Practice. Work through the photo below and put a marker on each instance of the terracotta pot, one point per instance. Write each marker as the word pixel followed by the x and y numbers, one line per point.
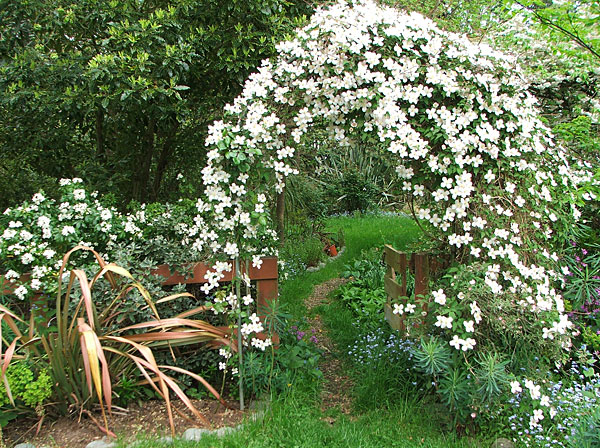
pixel 332 251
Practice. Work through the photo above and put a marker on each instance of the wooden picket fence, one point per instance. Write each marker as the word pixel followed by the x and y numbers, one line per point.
pixel 399 264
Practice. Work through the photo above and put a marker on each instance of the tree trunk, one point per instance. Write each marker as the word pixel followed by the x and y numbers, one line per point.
pixel 163 160
pixel 100 147
pixel 144 162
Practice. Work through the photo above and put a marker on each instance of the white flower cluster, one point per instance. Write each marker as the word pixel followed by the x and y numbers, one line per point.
pixel 35 235
pixel 462 344
pixel 400 308
pixel 261 344
pixel 254 326
pixel 535 394
pixel 27 250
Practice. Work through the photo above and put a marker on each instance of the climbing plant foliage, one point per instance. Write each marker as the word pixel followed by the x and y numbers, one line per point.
pixel 481 168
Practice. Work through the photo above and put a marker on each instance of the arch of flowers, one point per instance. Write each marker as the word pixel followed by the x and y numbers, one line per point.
pixel 456 117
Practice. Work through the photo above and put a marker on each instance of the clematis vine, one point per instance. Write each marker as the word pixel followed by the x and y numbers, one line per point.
pixel 481 168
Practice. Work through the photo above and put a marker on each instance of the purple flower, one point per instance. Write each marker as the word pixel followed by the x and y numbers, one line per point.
pixel 313 339
pixel 300 335
pixel 584 252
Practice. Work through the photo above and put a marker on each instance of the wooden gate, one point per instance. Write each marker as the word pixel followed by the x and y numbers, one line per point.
pixel 399 264
pixel 266 279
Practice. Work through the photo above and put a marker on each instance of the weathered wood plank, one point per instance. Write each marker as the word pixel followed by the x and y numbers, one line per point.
pixel 394 320
pixel 393 289
pixel 421 274
pixel 268 271
pixel 395 259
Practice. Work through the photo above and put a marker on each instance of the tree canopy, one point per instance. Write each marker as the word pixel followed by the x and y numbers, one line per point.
pixel 119 92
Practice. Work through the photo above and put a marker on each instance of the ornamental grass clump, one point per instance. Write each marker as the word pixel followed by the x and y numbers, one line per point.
pixel 88 351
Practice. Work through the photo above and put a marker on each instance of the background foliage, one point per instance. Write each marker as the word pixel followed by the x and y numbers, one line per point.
pixel 120 92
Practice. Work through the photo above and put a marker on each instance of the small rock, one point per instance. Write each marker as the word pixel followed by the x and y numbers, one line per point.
pixel 226 430
pixel 223 431
pixel 25 445
pixel 195 433
pixel 502 443
pixel 102 443
pixel 166 439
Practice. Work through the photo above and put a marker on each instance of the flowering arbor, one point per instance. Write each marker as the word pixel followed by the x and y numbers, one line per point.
pixel 482 170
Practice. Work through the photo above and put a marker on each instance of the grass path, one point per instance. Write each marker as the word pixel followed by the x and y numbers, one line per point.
pixel 336 383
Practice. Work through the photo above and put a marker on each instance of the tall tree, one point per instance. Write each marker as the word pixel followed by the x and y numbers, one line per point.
pixel 119 92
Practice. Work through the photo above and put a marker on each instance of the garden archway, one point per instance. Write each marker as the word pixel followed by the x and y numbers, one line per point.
pixel 467 137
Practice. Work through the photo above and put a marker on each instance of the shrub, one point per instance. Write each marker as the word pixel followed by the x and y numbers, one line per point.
pixel 37 233
pixel 351 191
pixel 295 360
pixel 299 252
pixel 366 271
pixel 364 293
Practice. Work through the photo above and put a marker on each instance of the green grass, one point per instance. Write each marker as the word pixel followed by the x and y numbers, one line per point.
pixel 361 233
pixel 295 421
pixel 387 411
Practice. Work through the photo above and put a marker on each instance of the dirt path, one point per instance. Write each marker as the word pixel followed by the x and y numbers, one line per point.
pixel 336 383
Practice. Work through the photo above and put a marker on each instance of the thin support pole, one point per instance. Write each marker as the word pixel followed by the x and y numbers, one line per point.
pixel 238 279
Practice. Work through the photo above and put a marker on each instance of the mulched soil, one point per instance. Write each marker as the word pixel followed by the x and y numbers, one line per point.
pixel 336 383
pixel 149 417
